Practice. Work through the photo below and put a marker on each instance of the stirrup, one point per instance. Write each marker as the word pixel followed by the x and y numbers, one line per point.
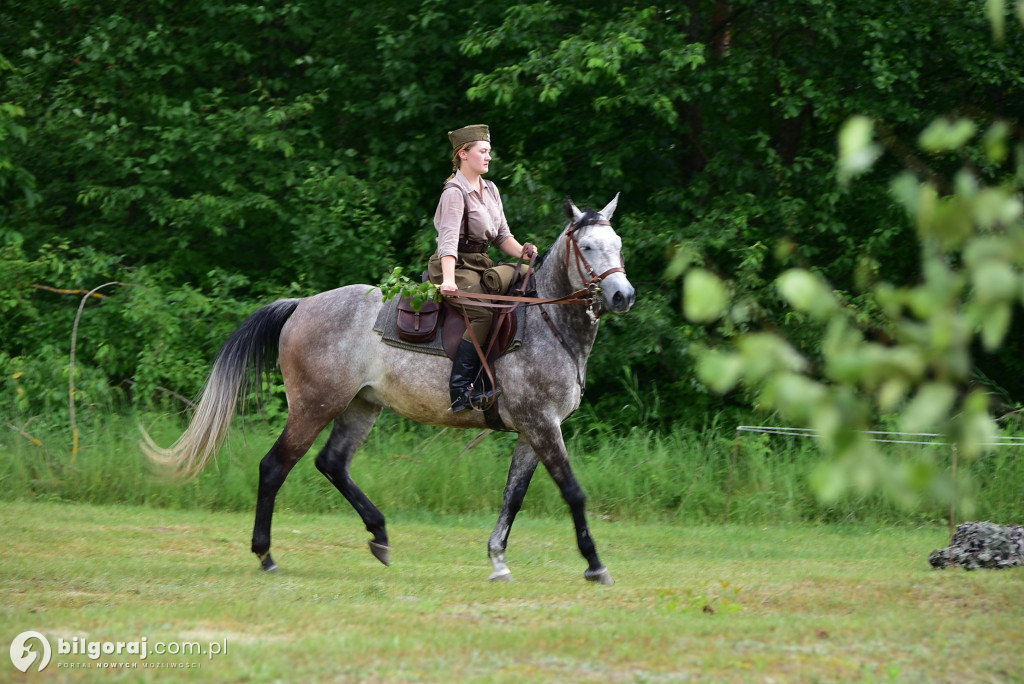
pixel 482 401
pixel 477 401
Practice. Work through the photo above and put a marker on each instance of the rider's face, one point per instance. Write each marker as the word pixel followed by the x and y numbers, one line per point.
pixel 477 159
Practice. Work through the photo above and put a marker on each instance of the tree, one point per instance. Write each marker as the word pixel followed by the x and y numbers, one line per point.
pixel 228 153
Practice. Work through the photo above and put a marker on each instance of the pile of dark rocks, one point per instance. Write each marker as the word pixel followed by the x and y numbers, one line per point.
pixel 982 545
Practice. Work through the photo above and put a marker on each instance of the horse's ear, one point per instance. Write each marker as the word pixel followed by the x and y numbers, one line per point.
pixel 610 209
pixel 571 210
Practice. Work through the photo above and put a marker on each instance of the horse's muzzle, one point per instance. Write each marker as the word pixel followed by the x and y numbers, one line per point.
pixel 619 294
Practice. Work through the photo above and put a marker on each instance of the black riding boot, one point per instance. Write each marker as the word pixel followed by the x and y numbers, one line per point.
pixel 464 370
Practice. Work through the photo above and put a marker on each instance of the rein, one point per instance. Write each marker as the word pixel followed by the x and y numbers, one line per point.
pixel 584 297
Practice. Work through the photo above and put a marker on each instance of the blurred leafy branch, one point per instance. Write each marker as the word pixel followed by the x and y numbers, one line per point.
pixel 913 369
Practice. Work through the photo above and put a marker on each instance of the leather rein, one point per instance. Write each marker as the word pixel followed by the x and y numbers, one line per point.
pixel 584 297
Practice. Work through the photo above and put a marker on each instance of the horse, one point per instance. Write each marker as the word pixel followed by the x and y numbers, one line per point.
pixel 336 369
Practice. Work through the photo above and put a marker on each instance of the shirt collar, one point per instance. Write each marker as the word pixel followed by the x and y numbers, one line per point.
pixel 464 183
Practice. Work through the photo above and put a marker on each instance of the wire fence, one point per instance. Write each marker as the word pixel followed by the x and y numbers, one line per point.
pixel 882 436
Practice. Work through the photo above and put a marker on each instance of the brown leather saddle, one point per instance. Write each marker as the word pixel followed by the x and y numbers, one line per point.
pixel 422 326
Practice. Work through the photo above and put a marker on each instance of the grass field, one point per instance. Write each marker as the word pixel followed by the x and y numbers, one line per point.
pixel 743 603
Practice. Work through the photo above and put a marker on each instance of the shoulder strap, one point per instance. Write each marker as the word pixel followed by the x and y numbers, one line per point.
pixel 464 230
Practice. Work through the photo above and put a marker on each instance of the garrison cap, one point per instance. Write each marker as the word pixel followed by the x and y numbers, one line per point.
pixel 469 134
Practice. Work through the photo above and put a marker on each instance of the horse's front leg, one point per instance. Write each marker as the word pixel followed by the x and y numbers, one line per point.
pixel 524 463
pixel 550 448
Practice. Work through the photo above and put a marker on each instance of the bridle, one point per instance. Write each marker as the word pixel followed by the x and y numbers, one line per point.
pixel 586 296
pixel 590 278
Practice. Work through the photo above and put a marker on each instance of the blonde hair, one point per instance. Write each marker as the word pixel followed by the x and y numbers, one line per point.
pixel 456 162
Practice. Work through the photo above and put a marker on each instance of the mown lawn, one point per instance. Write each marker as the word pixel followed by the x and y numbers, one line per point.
pixel 700 604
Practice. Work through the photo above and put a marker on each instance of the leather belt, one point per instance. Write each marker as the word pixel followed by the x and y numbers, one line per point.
pixel 472 246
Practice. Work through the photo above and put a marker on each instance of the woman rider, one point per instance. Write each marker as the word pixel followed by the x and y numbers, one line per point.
pixel 469 219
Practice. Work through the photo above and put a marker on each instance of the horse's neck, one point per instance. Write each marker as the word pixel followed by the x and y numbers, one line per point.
pixel 571 320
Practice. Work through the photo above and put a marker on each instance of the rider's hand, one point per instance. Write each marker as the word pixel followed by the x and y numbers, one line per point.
pixel 529 251
pixel 449 286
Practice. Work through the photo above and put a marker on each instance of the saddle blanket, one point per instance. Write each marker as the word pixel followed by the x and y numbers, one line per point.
pixel 387 326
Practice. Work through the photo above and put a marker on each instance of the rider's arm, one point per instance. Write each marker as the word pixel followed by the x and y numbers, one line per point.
pixel 512 247
pixel 448 274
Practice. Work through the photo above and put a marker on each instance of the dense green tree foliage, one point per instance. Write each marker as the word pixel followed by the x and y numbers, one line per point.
pixel 212 156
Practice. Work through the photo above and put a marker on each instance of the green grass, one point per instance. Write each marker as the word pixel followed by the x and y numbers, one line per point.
pixel 793 603
pixel 404 468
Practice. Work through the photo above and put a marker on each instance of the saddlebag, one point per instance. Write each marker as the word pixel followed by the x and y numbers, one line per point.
pixel 417 326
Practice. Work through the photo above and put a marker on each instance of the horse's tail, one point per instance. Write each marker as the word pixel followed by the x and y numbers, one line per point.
pixel 250 351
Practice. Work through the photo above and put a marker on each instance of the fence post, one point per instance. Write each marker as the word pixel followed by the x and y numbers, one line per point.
pixel 732 467
pixel 952 499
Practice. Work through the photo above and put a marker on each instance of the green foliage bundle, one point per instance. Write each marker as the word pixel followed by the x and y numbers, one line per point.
pixel 397 284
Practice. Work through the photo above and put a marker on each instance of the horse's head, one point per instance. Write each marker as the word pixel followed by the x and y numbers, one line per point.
pixel 593 257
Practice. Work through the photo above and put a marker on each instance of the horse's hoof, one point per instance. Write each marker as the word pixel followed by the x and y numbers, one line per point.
pixel 381 552
pixel 601 576
pixel 267 563
pixel 502 576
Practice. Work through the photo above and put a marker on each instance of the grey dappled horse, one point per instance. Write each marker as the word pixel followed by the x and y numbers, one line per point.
pixel 336 368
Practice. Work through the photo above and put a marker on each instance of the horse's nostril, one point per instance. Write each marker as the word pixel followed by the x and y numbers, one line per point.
pixel 617 300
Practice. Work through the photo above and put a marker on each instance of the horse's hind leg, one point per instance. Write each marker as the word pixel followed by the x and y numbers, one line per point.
pixel 524 463
pixel 350 431
pixel 292 445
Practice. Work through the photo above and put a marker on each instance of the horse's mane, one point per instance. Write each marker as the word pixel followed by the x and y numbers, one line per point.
pixel 589 216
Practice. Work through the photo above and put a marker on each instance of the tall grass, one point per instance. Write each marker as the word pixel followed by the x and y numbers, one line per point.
pixel 684 476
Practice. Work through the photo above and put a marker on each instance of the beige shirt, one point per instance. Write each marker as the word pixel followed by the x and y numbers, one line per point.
pixel 486 216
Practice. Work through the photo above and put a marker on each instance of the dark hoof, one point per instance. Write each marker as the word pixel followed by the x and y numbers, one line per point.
pixel 381 552
pixel 601 576
pixel 267 563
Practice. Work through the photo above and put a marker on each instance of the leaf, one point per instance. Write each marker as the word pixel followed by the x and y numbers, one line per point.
pixel 996 137
pixel 765 354
pixel 857 152
pixel 705 298
pixel 994 326
pixel 929 408
pixel 977 430
pixel 683 256
pixel 720 371
pixel 944 135
pixel 996 10
pixel 994 282
pixel 828 482
pixel 794 395
pixel 891 393
pixel 808 293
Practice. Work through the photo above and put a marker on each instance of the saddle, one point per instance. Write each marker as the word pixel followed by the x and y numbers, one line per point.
pixel 421 327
